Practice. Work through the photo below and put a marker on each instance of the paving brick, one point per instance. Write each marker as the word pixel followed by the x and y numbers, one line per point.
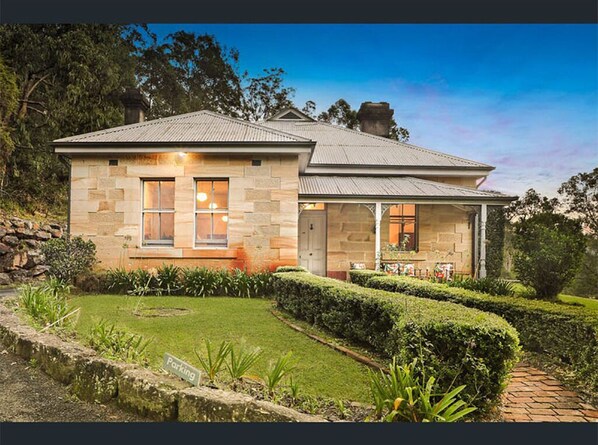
pixel 545 399
pixel 568 412
pixel 543 418
pixel 541 411
pixel 534 396
pixel 538 405
pixel 572 419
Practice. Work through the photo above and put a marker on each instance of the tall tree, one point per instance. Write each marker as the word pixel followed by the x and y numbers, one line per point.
pixel 549 246
pixel 8 106
pixel 341 113
pixel 580 197
pixel 265 95
pixel 69 78
pixel 189 72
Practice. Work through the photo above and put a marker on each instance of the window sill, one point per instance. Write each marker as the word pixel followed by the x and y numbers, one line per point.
pixel 183 253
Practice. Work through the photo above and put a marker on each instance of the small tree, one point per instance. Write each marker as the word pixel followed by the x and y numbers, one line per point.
pixel 549 251
pixel 69 258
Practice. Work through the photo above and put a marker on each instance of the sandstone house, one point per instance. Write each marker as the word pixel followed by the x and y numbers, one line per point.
pixel 209 190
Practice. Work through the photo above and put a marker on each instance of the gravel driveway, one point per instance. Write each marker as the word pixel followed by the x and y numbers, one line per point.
pixel 29 395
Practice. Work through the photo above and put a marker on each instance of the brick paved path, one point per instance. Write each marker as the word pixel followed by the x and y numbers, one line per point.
pixel 534 396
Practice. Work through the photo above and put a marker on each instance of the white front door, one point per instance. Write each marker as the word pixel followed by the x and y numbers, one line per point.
pixel 312 241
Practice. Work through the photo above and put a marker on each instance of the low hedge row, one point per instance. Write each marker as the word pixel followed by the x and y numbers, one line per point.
pixel 457 344
pixel 567 333
pixel 361 277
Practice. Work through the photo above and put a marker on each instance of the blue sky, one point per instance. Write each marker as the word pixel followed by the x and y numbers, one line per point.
pixel 523 98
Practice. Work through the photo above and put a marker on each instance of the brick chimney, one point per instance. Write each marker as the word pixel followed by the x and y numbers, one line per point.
pixel 374 118
pixel 136 106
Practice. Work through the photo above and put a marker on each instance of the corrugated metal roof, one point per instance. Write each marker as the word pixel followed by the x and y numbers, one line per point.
pixel 340 146
pixel 201 126
pixel 378 186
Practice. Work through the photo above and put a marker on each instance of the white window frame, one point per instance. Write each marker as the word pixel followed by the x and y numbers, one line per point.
pixel 160 242
pixel 210 244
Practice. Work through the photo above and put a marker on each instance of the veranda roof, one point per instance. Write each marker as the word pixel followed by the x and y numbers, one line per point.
pixel 367 188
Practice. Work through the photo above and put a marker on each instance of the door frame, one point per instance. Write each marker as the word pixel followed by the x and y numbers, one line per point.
pixel 325 214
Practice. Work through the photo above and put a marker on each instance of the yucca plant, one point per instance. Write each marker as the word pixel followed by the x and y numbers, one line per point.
pixel 212 363
pixel 168 279
pixel 293 389
pixel 241 284
pixel 241 361
pixel 46 304
pixel 119 280
pixel 201 282
pixel 262 284
pixel 404 395
pixel 277 372
pixel 109 341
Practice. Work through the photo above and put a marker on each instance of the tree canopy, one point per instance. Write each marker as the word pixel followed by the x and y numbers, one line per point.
pixel 61 80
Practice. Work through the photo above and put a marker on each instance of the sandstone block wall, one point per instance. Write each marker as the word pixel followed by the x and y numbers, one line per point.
pixel 263 209
pixel 445 235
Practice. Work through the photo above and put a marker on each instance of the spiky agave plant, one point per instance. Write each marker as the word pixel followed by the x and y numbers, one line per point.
pixel 213 361
pixel 404 395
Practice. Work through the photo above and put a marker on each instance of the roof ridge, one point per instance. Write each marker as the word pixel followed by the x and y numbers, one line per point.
pixel 132 126
pixel 176 117
pixel 394 141
pixel 256 125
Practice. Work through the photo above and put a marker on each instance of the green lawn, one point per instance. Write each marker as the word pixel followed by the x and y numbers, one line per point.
pixel 320 370
pixel 587 302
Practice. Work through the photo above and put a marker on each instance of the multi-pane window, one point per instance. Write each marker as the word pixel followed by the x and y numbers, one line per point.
pixel 211 213
pixel 158 212
pixel 403 226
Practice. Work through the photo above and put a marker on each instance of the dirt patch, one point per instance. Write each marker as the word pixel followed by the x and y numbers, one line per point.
pixel 151 312
pixel 29 395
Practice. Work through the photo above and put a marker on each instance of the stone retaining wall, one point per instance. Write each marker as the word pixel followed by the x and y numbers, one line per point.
pixel 157 396
pixel 20 242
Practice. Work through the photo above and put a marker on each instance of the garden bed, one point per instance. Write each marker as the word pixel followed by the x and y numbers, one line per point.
pixel 319 371
pixel 566 333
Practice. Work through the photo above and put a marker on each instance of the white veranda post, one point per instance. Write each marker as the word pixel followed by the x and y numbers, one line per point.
pixel 483 218
pixel 378 218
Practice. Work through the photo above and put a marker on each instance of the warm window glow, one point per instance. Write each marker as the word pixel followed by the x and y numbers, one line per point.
pixel 158 212
pixel 315 206
pixel 403 226
pixel 211 213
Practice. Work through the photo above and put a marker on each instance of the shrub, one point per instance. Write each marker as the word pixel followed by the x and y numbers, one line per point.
pixel 46 304
pixel 404 395
pixel 117 344
pixel 360 277
pixel 213 361
pixel 567 333
pixel 549 249
pixel 492 286
pixel 167 279
pixel 281 269
pixel 278 371
pixel 457 344
pixel 68 258
pixel 241 361
pixel 196 282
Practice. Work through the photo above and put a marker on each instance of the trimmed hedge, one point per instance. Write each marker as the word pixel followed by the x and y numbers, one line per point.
pixel 360 277
pixel 280 269
pixel 460 346
pixel 567 333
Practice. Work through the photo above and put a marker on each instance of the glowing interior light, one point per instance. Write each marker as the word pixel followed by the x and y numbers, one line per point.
pixel 201 196
pixel 225 218
pixel 213 205
pixel 310 206
pixel 182 154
